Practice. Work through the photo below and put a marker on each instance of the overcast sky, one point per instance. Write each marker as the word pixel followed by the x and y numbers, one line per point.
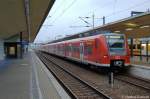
pixel 63 19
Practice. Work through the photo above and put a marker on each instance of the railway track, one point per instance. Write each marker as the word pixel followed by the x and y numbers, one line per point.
pixel 78 88
pixel 139 82
pixel 95 80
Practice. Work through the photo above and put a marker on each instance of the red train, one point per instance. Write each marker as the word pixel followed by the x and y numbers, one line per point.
pixel 99 50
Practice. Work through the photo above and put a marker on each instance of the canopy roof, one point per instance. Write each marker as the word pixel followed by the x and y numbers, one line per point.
pixel 136 26
pixel 24 16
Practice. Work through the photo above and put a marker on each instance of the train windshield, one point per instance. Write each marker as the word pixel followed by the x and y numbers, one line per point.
pixel 116 44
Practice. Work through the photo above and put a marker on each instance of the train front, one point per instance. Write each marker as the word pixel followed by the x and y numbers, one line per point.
pixel 118 50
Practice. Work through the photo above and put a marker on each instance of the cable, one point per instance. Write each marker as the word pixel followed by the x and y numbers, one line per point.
pixel 121 11
pixel 60 5
pixel 105 5
pixel 139 4
pixel 68 7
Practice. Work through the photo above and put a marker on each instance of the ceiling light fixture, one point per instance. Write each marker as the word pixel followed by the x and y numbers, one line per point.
pixel 131 24
pixel 145 26
pixel 117 31
pixel 129 29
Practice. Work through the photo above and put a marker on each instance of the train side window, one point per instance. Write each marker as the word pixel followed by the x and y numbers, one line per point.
pixel 75 49
pixel 62 48
pixel 88 49
pixel 70 48
pixel 67 48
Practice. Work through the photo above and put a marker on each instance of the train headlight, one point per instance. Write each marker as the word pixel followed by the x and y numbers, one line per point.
pixel 105 56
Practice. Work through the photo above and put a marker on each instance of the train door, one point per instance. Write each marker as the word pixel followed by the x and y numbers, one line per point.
pixel 70 50
pixel 81 51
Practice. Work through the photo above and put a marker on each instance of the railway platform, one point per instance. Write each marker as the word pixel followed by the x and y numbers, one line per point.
pixel 28 78
pixel 141 61
pixel 140 67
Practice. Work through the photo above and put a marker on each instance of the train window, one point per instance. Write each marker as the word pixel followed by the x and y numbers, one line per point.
pixel 78 49
pixel 70 47
pixel 62 48
pixel 116 44
pixel 75 49
pixel 88 49
pixel 67 48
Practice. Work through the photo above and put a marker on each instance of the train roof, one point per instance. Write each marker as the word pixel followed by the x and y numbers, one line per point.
pixel 112 34
pixel 84 38
pixel 81 35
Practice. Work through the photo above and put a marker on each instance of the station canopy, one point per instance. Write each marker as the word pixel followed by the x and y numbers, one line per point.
pixel 26 16
pixel 137 26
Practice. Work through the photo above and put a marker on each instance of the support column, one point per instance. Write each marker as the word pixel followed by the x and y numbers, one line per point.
pixel 147 51
pixel 103 20
pixel 131 50
pixel 21 53
pixel 140 50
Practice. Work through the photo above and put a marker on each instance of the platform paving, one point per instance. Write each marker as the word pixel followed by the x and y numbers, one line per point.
pixel 28 78
pixel 49 87
pixel 15 79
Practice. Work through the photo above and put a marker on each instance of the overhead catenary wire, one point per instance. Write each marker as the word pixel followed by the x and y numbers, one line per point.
pixel 85 21
pixel 115 12
pixel 103 6
pixel 139 4
pixel 54 13
pixel 57 8
pixel 61 14
pixel 127 9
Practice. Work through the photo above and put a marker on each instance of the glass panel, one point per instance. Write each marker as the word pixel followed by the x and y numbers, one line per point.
pixel 116 44
pixel 88 49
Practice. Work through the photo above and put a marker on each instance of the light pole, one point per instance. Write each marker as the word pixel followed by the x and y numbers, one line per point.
pixel 93 20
